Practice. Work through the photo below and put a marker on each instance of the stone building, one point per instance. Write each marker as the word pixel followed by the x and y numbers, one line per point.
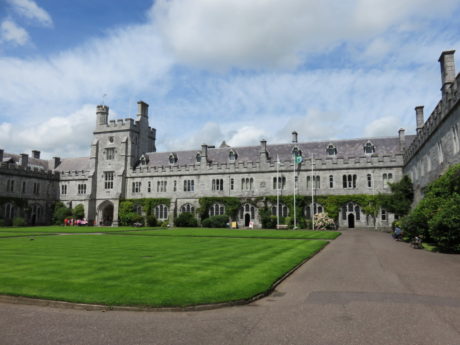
pixel 124 164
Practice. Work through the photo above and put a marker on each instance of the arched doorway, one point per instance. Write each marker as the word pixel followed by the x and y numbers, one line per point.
pixel 106 214
pixel 351 220
pixel 247 219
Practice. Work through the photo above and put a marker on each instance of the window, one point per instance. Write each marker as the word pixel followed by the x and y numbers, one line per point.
pixel 187 208
pixel 149 186
pixel 161 212
pixel 384 214
pixel 63 189
pixel 9 211
pixel 317 208
pixel 81 189
pixel 358 212
pixel 217 184
pixel 331 150
pixel 284 211
pixel 344 212
pixel 369 180
pixel 175 186
pixel 138 209
pixel 198 157
pixel 331 181
pixel 388 178
pixel 108 184
pixel 189 185
pixel 232 184
pixel 24 186
pixel 136 187
pixel 232 156
pixel 281 182
pixel 247 209
pixel 216 210
pixel 369 148
pixel 161 186
pixel 110 153
pixel 349 181
pixel 10 186
pixel 36 188
pixel 172 158
pixel 455 138
pixel 247 183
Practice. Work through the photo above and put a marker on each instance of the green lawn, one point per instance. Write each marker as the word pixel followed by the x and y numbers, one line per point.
pixel 198 232
pixel 67 229
pixel 146 270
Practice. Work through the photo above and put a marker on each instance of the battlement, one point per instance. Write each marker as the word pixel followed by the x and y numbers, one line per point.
pixel 73 174
pixel 18 170
pixel 363 162
pixel 449 100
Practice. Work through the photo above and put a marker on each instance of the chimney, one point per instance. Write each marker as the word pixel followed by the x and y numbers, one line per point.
pixel 294 137
pixel 36 154
pixel 1 156
pixel 419 118
pixel 204 153
pixel 24 160
pixel 142 109
pixel 102 115
pixel 402 139
pixel 55 162
pixel 263 150
pixel 447 62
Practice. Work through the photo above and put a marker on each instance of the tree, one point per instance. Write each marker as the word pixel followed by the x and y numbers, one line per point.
pixel 60 213
pixel 400 200
pixel 79 211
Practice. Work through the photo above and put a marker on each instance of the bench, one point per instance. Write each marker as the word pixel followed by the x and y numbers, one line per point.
pixel 281 226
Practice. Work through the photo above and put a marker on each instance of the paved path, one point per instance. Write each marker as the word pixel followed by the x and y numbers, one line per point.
pixel 364 288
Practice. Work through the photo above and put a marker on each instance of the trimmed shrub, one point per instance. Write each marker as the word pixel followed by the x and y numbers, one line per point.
pixel 130 218
pixel 19 221
pixel 444 226
pixel 151 220
pixel 215 222
pixel 186 219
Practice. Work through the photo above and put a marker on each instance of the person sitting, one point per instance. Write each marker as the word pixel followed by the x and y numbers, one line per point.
pixel 397 234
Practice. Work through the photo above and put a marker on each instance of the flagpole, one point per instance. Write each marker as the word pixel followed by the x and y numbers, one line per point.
pixel 277 192
pixel 312 196
pixel 295 157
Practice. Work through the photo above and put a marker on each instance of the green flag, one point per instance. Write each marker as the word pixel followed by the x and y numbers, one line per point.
pixel 298 159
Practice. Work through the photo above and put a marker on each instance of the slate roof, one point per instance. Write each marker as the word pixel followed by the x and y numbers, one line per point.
pixel 41 164
pixel 73 164
pixel 345 149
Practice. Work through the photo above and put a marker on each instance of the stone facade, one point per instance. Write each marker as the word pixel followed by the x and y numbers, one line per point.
pixel 124 164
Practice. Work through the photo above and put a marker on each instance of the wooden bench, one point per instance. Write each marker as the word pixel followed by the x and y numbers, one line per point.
pixel 281 226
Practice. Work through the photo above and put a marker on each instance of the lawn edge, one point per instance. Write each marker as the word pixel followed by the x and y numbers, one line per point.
pixel 11 299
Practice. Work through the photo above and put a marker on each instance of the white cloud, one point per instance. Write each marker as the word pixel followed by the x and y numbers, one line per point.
pixel 30 10
pixel 12 33
pixel 70 135
pixel 246 136
pixel 209 134
pixel 384 126
pixel 255 34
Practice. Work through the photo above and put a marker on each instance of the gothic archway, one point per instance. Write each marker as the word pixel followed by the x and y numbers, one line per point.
pixel 106 214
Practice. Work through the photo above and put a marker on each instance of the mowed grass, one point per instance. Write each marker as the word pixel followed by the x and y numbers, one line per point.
pixel 66 229
pixel 146 270
pixel 200 232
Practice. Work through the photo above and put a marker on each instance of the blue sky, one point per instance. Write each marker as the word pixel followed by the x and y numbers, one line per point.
pixel 233 70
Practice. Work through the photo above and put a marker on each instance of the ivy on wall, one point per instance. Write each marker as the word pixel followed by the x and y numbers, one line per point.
pixel 127 209
pixel 18 202
pixel 232 205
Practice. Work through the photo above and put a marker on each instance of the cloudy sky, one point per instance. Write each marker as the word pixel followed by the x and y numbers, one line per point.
pixel 214 70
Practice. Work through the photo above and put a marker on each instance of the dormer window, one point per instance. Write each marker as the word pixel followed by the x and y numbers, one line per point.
pixel 144 160
pixel 198 157
pixel 232 156
pixel 369 148
pixel 172 158
pixel 331 150
pixel 296 151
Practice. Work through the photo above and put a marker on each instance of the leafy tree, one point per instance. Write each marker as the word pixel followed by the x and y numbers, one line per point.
pixel 400 200
pixel 60 213
pixel 445 224
pixel 79 211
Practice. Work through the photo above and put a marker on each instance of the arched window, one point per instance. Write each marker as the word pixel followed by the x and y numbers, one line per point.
pixel 344 212
pixel 198 157
pixel 350 207
pixel 138 209
pixel 284 211
pixel 187 208
pixel 161 212
pixel 216 210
